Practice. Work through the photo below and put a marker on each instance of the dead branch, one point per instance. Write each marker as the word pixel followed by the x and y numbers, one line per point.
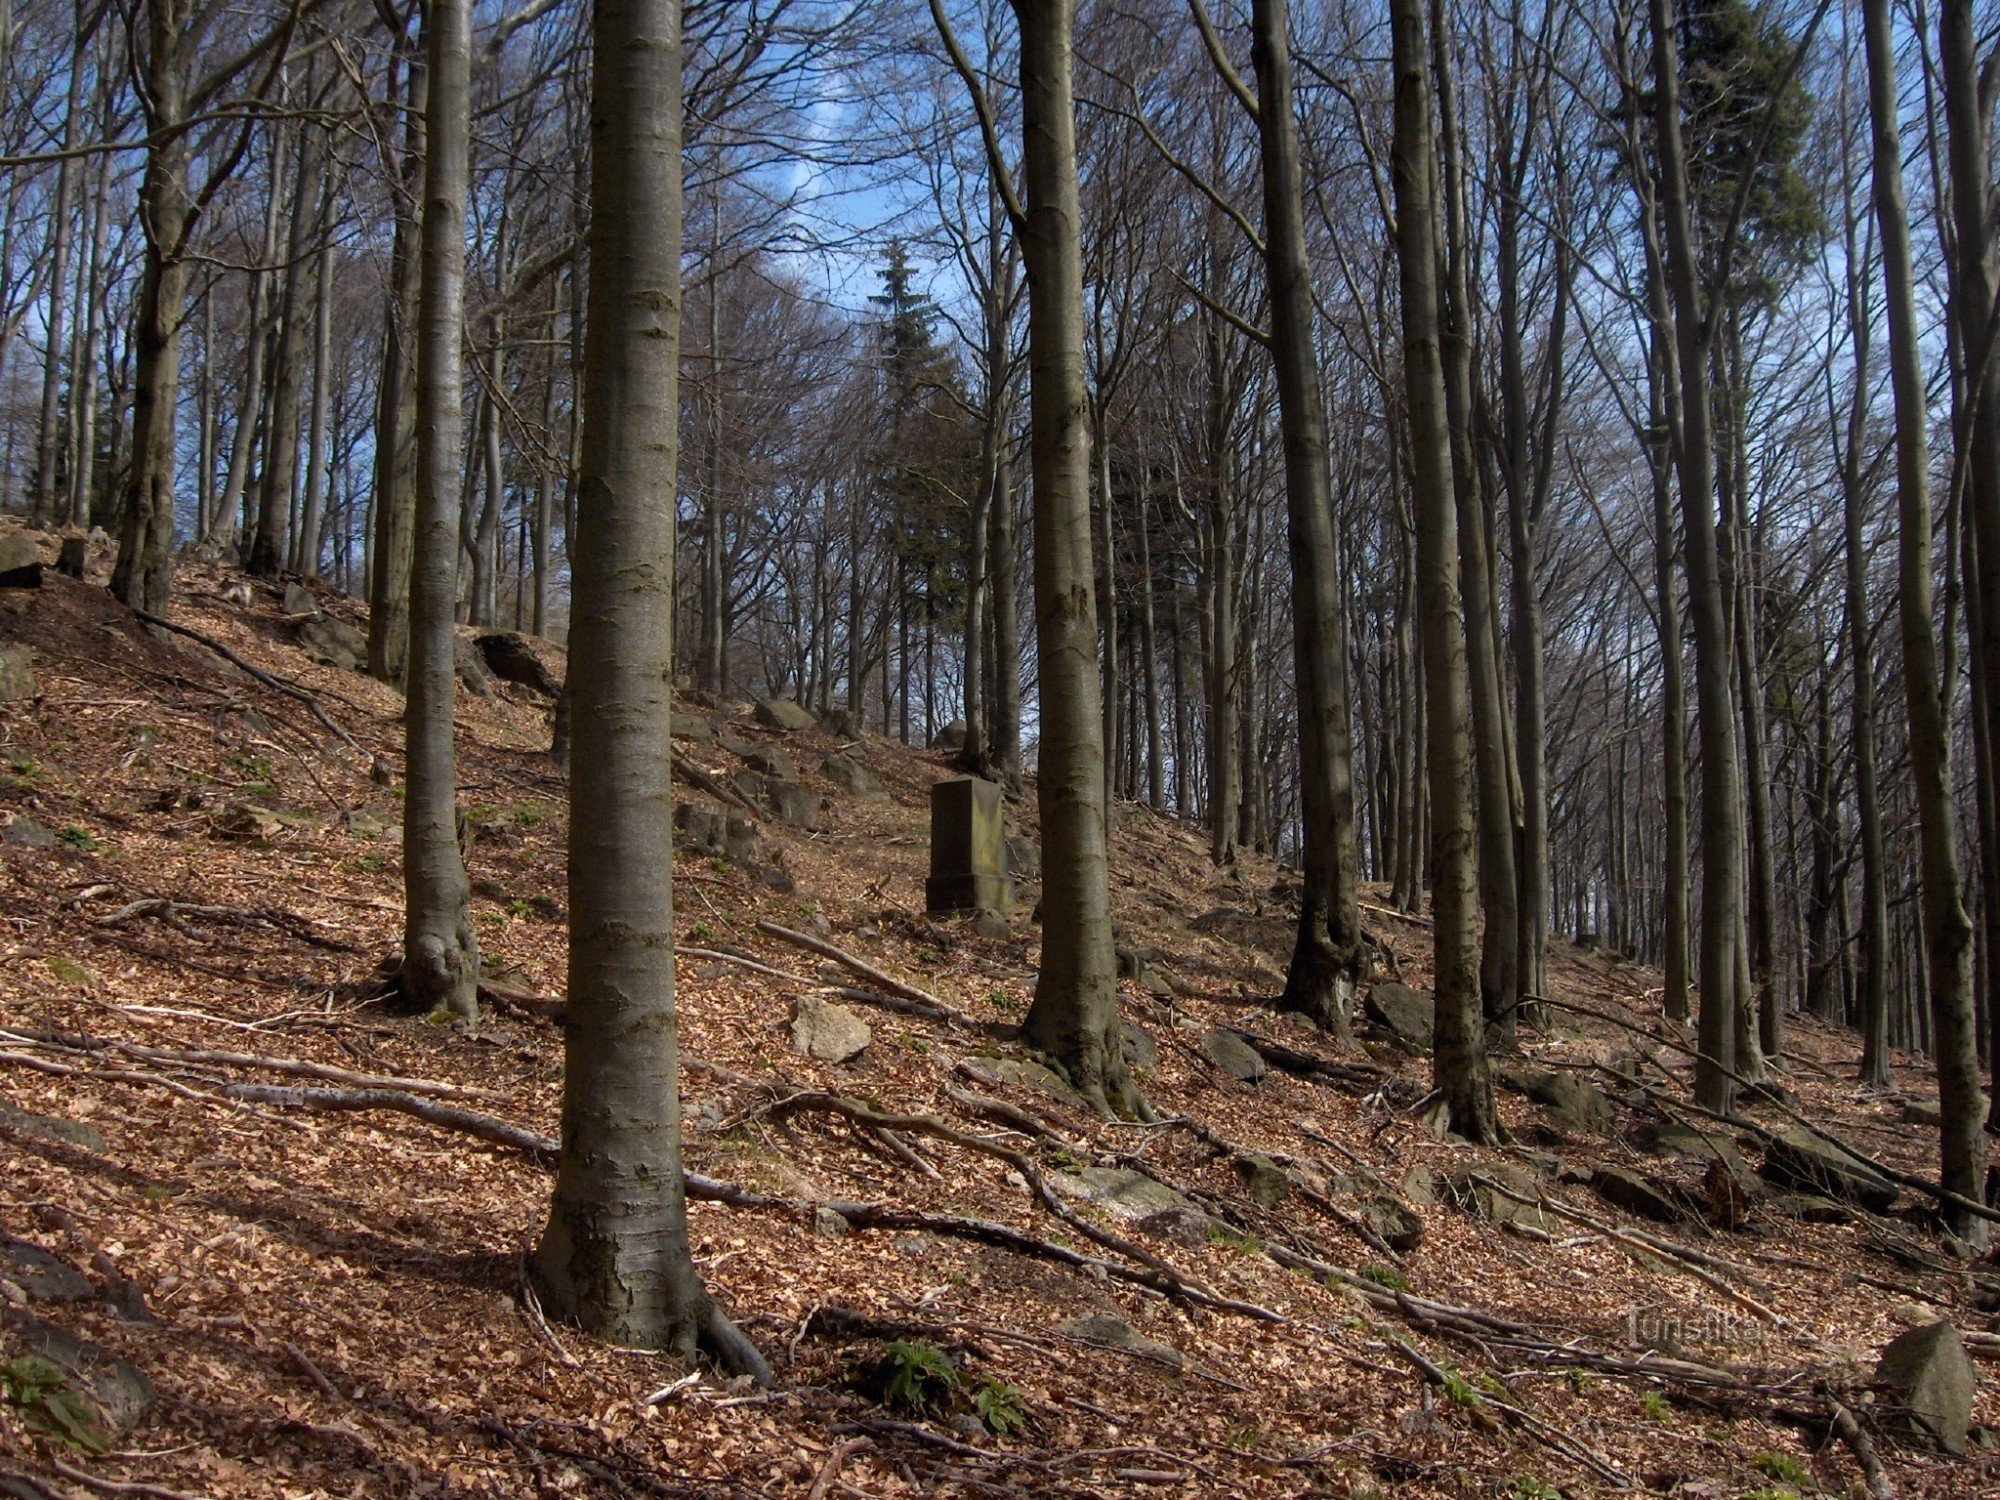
pixel 283 685
pixel 1863 1448
pixel 715 786
pixel 867 971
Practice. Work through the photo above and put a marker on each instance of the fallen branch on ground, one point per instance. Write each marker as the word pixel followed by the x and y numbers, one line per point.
pixel 277 684
pixel 867 971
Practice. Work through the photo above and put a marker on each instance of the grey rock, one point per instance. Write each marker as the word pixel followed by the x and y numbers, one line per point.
pixel 783 713
pixel 1218 918
pixel 1800 1159
pixel 1236 1057
pixel 1574 1104
pixel 118 1390
pixel 333 642
pixel 692 727
pixel 992 924
pixel 471 666
pixel 1263 1179
pixel 1024 856
pixel 1129 1194
pixel 1395 1223
pixel 53 1128
pixel 1408 1015
pixel 842 724
pixel 25 833
pixel 44 1277
pixel 299 602
pixel 951 737
pixel 1023 1073
pixel 831 1033
pixel 829 1225
pixel 1933 1382
pixel 1182 1226
pixel 72 557
pixel 1810 1208
pixel 771 761
pixel 1645 1196
pixel 1115 1333
pixel 17 674
pixel 1479 1190
pixel 795 804
pixel 1141 1051
pixel 1922 1112
pixel 20 561
pixel 714 832
pixel 852 777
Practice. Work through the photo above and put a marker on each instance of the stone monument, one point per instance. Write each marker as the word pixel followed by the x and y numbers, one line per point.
pixel 968 848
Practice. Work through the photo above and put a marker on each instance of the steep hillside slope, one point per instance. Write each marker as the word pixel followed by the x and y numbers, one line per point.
pixel 298 1215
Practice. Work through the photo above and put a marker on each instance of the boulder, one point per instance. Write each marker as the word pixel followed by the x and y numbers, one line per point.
pixel 852 777
pixel 711 831
pixel 1024 856
pixel 831 1033
pixel 39 1275
pixel 692 728
pixel 1217 918
pixel 1183 1226
pixel 1932 1381
pixel 1263 1179
pixel 1108 1332
pixel 53 1128
pixel 72 557
pixel 1236 1057
pixel 842 724
pixel 471 667
pixel 511 656
pixel 1799 1159
pixel 85 1391
pixel 1479 1190
pixel 20 561
pixel 1141 1051
pixel 1129 1194
pixel 1408 1015
pixel 333 642
pixel 1574 1104
pixel 25 833
pixel 783 714
pixel 795 804
pixel 951 737
pixel 299 603
pixel 771 761
pixel 1636 1193
pixel 1394 1222
pixel 17 674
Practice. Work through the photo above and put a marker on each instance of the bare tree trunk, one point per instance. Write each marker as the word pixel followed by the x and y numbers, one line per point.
pixel 614 1256
pixel 1074 1018
pixel 396 409
pixel 59 275
pixel 1006 628
pixel 1947 928
pixel 1721 799
pixel 440 946
pixel 305 560
pixel 270 546
pixel 1459 1066
pixel 1327 951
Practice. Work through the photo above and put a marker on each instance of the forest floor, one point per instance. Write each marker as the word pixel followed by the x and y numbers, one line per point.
pixel 330 1302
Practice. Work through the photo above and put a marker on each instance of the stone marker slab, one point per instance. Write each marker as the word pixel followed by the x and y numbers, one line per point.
pixel 968 848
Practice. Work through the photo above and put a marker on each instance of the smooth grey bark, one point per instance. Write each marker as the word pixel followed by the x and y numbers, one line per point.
pixel 1694 452
pixel 1460 1071
pixel 1328 955
pixel 1494 806
pixel 396 405
pixel 440 947
pixel 312 515
pixel 271 545
pixel 1947 929
pixel 226 526
pixel 614 1256
pixel 59 252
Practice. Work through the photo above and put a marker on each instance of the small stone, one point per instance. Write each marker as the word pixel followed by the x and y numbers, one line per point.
pixel 831 1033
pixel 119 1392
pixel 1933 1381
pixel 1236 1057
pixel 1408 1015
pixel 783 714
pixel 852 777
pixel 992 924
pixel 1264 1180
pixel 246 820
pixel 44 1277
pixel 334 643
pixel 915 1245
pixel 20 561
pixel 25 833
pixel 829 1225
pixel 1800 1159
pixel 1641 1195
pixel 1115 1333
pixel 17 674
pixel 1022 1073
pixel 53 1128
pixel 1183 1226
